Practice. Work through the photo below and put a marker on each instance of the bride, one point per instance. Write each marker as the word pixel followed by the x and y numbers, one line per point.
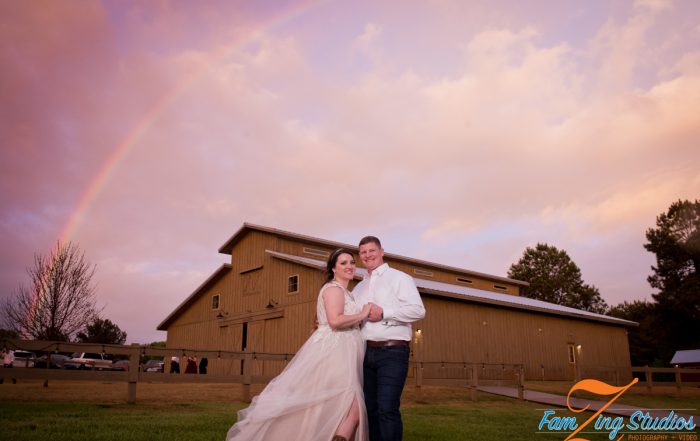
pixel 318 396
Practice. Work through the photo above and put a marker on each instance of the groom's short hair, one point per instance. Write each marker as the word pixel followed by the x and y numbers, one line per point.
pixel 370 239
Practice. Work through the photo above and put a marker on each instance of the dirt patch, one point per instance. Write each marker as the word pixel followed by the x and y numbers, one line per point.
pixel 116 392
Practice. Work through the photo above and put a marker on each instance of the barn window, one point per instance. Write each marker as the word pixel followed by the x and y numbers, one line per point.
pixel 422 272
pixel 293 284
pixel 215 301
pixel 572 354
pixel 317 253
pixel 463 280
pixel 501 287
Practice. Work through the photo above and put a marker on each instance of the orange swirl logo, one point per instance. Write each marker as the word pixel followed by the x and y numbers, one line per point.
pixel 639 421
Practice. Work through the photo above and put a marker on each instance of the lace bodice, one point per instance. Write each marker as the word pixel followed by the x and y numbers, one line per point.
pixel 350 306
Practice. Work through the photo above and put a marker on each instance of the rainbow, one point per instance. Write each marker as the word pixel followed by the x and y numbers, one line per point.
pixel 122 149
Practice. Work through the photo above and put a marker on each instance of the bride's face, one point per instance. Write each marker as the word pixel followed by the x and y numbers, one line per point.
pixel 344 267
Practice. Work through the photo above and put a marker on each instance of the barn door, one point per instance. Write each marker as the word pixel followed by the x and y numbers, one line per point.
pixel 573 360
pixel 255 343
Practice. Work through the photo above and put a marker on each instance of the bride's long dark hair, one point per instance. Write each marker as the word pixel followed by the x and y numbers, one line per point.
pixel 332 260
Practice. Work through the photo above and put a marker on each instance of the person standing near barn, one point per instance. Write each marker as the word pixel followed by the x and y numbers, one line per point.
pixel 8 358
pixel 318 395
pixel 388 333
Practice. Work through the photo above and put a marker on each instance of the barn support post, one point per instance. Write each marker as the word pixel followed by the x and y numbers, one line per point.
pixel 521 382
pixel 419 381
pixel 678 379
pixel 247 376
pixel 133 374
pixel 650 381
pixel 475 381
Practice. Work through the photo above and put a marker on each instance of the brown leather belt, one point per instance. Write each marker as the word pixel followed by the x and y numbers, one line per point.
pixel 381 344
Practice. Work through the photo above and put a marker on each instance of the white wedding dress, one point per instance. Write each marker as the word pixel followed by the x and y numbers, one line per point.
pixel 312 395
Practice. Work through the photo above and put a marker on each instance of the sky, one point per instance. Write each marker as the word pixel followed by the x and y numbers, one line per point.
pixel 460 132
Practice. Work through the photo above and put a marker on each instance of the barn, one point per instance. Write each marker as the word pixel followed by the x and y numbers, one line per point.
pixel 264 301
pixel 687 359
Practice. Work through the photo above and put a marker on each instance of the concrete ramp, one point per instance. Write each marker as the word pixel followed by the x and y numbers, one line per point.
pixel 579 403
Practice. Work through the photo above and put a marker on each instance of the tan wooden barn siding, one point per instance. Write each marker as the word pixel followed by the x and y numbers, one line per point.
pixel 310 281
pixel 452 330
pixel 203 336
pixel 296 247
pixel 440 275
pixel 247 256
pixel 286 335
pixel 200 310
pixel 456 331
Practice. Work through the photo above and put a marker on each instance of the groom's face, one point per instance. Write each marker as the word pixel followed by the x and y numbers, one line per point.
pixel 371 255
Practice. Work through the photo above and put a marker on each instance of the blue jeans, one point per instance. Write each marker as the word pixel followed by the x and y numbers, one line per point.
pixel 385 372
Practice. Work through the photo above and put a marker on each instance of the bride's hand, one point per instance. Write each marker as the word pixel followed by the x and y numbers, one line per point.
pixel 366 309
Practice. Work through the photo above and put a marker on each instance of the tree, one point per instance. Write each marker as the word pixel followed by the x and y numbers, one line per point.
pixel 102 331
pixel 155 344
pixel 60 300
pixel 555 278
pixel 643 340
pixel 8 334
pixel 676 243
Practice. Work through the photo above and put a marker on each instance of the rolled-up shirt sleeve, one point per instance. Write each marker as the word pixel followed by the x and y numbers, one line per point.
pixel 408 306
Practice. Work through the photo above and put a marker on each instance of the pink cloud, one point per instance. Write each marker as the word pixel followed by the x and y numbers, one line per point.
pixel 460 144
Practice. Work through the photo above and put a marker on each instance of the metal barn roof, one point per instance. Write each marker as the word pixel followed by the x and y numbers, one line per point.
pixel 227 248
pixel 476 295
pixel 683 357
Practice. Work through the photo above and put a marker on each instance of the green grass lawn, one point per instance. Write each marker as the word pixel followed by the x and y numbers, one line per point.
pixel 662 397
pixel 52 421
pixel 97 412
pixel 210 421
pixel 118 422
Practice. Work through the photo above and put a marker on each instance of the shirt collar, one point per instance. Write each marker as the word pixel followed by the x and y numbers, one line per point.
pixel 381 269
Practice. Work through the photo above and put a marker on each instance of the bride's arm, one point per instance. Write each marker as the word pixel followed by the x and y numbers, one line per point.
pixel 334 303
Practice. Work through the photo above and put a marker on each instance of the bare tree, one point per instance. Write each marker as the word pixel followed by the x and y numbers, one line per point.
pixel 60 300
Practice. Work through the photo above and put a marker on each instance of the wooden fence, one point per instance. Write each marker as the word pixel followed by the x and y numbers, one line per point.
pixel 692 373
pixel 459 374
pixel 469 375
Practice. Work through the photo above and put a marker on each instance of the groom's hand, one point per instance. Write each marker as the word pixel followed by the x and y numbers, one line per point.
pixel 376 313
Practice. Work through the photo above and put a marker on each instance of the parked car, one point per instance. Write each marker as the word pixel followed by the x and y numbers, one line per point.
pixel 83 360
pixel 24 359
pixel 154 366
pixel 121 365
pixel 57 361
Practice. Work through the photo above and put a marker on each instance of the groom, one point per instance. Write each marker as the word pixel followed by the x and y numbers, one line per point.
pixel 388 334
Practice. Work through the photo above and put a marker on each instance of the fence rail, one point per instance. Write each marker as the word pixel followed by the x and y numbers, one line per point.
pixel 462 374
pixel 135 375
pixel 470 375
pixel 692 380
